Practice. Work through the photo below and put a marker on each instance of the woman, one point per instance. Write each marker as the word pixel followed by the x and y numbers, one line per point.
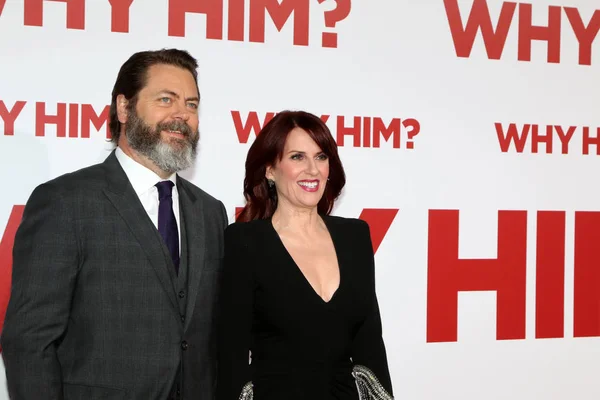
pixel 298 288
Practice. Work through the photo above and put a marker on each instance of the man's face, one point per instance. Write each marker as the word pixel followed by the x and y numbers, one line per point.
pixel 163 124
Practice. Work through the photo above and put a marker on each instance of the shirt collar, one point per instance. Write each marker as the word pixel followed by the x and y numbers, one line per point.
pixel 142 179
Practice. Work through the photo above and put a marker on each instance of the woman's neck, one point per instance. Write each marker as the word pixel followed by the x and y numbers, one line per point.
pixel 302 221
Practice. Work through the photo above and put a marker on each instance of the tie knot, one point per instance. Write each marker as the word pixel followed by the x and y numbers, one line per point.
pixel 165 189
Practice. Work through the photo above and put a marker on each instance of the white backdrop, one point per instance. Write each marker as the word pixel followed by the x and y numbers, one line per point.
pixel 519 315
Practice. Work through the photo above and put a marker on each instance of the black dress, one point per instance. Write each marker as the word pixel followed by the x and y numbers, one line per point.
pixel 302 347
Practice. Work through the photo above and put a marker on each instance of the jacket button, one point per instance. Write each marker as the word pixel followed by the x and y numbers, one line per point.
pixel 184 345
pixel 181 294
pixel 183 318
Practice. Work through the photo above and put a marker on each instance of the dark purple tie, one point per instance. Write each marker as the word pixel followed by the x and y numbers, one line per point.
pixel 167 224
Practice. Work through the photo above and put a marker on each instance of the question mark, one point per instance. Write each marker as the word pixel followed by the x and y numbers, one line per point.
pixel 339 13
pixel 416 128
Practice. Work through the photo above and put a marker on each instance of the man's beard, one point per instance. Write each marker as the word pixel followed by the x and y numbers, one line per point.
pixel 171 155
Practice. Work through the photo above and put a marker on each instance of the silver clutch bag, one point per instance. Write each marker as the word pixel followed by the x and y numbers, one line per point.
pixel 247 392
pixel 367 384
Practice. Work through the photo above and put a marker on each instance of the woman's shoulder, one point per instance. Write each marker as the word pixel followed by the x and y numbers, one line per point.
pixel 352 224
pixel 246 229
pixel 351 233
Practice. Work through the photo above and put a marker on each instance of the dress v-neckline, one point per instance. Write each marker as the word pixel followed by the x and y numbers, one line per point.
pixel 297 268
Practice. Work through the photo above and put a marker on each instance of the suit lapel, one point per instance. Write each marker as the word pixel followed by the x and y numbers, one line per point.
pixel 193 214
pixel 123 197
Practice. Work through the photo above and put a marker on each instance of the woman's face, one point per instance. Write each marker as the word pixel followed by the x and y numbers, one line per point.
pixel 301 174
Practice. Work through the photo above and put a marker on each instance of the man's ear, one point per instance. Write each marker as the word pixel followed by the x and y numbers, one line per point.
pixel 122 111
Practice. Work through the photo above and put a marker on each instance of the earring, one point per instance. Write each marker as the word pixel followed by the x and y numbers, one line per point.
pixel 271 182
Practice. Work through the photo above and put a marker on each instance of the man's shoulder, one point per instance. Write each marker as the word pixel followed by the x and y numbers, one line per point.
pixel 80 180
pixel 204 196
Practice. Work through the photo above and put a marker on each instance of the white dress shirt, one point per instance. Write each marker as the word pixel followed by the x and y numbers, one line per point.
pixel 143 180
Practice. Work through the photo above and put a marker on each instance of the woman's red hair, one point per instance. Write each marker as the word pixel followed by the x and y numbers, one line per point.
pixel 267 149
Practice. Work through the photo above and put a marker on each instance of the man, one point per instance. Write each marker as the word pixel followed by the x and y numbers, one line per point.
pixel 115 266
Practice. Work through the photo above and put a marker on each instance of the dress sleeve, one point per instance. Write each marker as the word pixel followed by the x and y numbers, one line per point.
pixel 368 349
pixel 235 318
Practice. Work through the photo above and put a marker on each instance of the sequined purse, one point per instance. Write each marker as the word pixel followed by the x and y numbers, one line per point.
pixel 247 392
pixel 368 385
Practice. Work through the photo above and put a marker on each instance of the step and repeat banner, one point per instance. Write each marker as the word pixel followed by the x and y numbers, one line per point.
pixel 469 131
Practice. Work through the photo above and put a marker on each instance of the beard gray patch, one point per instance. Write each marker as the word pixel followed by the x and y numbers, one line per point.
pixel 171 155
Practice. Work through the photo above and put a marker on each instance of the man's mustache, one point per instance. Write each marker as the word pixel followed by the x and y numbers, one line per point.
pixel 179 126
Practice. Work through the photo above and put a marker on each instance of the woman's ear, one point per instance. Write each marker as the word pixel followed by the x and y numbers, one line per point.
pixel 269 172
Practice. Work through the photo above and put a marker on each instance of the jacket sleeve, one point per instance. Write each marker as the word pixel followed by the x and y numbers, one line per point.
pixel 235 318
pixel 368 349
pixel 45 265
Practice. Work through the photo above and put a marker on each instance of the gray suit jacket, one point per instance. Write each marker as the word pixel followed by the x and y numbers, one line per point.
pixel 94 313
